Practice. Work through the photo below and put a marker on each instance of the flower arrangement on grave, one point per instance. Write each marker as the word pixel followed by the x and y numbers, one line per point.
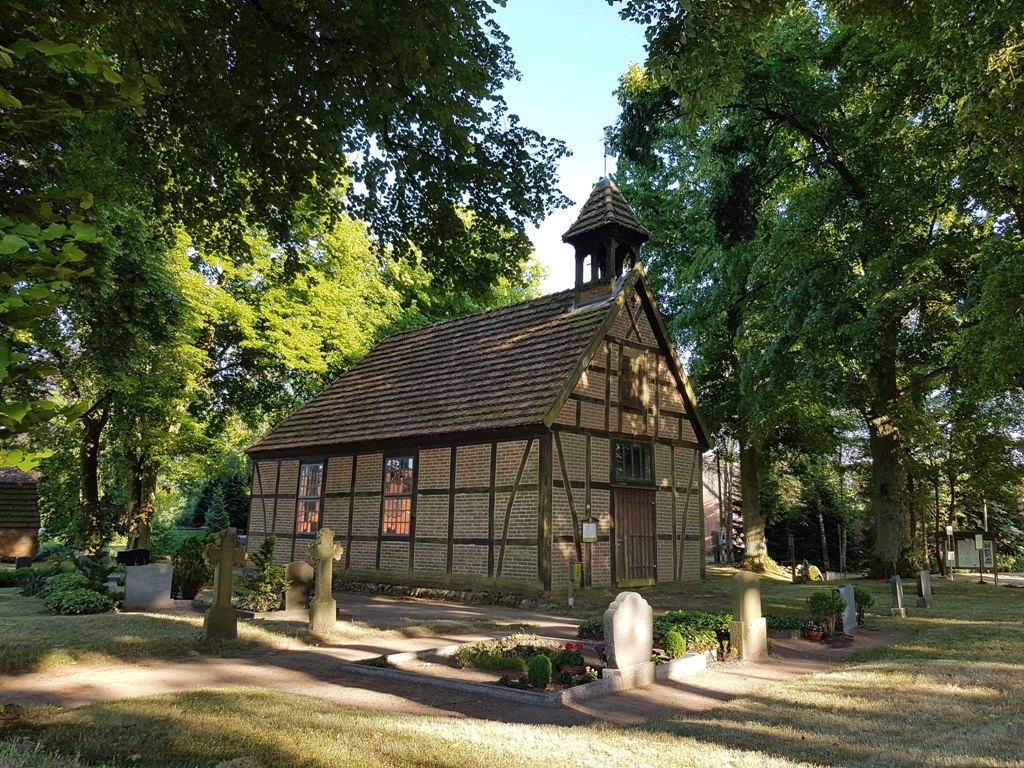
pixel 517 656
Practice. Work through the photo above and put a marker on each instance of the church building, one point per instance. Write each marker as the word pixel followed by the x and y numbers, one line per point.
pixel 508 450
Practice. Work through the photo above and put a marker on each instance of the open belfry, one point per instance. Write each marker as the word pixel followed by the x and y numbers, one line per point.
pixel 476 453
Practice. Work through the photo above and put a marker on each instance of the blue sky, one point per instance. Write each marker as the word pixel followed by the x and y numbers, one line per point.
pixel 571 54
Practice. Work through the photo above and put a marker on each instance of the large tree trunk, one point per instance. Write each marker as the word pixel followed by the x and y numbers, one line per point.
pixel 93 523
pixel 888 501
pixel 753 518
pixel 142 504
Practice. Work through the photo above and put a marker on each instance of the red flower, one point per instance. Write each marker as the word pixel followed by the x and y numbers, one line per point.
pixel 568 646
pixel 579 647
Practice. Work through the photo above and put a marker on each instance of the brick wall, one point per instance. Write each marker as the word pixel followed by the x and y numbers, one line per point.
pixel 18 542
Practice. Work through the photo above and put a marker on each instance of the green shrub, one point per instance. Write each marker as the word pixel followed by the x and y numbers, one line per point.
pixel 591 628
pixel 33 580
pixel 862 598
pixel 826 608
pixel 191 573
pixel 78 601
pixel 566 657
pixel 62 582
pixel 263 588
pixel 94 568
pixel 784 622
pixel 674 644
pixel 9 577
pixel 539 671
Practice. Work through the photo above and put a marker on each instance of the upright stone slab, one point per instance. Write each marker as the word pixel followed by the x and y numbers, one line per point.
pixel 629 639
pixel 22 562
pixel 323 610
pixel 850 614
pixel 748 631
pixel 221 620
pixel 924 589
pixel 898 609
pixel 147 587
pixel 301 578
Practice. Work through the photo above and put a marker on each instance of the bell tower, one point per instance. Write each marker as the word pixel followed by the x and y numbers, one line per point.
pixel 607 237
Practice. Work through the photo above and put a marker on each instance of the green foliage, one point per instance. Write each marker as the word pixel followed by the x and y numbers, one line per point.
pixel 78 601
pixel 216 518
pixel 381 662
pixel 538 671
pixel 592 629
pixel 702 630
pixel 33 580
pixel 62 582
pixel 674 644
pixel 862 598
pixel 95 569
pixel 826 607
pixel 783 622
pixel 264 587
pixel 191 573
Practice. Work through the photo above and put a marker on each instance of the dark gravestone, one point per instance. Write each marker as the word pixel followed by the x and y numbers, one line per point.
pixel 23 562
pixel 133 557
pixel 301 576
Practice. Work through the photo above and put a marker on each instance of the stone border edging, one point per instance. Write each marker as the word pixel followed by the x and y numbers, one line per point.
pixel 677 669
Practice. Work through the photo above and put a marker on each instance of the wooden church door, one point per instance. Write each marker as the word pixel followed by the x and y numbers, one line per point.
pixel 636 537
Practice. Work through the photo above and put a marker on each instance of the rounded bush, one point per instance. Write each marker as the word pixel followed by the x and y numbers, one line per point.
pixel 62 582
pixel 675 645
pixel 191 571
pixel 73 602
pixel 826 608
pixel 538 672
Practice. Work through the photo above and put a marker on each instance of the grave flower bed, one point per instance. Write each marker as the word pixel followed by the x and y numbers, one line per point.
pixel 517 657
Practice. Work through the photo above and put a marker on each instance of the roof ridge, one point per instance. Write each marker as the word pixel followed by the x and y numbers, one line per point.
pixel 475 315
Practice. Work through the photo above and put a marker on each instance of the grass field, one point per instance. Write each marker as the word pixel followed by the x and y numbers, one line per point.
pixel 949 695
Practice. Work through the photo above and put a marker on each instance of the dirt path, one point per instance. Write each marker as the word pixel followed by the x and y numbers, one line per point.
pixel 326 673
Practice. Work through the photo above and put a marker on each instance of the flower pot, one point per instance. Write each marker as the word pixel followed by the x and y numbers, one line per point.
pixel 813 634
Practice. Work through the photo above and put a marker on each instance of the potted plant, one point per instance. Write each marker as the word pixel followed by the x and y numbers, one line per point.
pixel 826 608
pixel 813 631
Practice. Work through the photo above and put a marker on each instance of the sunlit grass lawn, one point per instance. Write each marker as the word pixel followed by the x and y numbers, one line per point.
pixel 33 640
pixel 950 694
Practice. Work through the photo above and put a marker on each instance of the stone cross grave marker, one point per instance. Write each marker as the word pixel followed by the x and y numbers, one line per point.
pixel 323 610
pixel 924 589
pixel 748 631
pixel 301 578
pixel 850 614
pixel 221 620
pixel 147 587
pixel 628 631
pixel 898 609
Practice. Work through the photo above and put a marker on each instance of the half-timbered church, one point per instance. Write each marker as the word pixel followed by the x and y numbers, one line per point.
pixel 495 451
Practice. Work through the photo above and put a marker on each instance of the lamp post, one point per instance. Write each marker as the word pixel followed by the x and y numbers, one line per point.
pixel 950 556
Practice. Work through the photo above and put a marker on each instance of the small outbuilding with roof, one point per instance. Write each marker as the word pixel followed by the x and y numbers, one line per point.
pixel 496 450
pixel 19 513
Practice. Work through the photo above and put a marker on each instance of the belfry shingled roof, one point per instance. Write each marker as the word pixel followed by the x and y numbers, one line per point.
pixel 605 206
pixel 498 369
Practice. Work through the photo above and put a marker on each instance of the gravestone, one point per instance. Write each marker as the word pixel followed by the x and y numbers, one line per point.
pixel 221 620
pixel 323 610
pixel 628 631
pixel 846 592
pixel 133 557
pixel 898 609
pixel 924 589
pixel 748 631
pixel 147 587
pixel 22 562
pixel 301 578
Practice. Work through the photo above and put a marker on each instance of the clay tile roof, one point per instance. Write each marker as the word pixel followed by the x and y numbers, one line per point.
pixel 498 369
pixel 605 207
